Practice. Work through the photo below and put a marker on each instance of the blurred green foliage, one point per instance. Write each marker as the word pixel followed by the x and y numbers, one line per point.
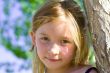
pixel 20 27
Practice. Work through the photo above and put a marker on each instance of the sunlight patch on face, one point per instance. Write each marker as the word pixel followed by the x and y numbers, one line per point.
pixel 55 49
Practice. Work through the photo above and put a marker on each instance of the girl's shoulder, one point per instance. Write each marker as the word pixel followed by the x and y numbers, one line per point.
pixel 84 69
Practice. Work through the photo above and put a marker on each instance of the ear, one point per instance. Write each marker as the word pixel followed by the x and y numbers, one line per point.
pixel 32 34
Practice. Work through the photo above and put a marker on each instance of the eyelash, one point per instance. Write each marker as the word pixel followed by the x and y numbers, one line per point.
pixel 44 38
pixel 65 41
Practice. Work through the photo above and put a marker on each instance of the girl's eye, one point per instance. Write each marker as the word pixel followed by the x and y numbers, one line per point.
pixel 44 39
pixel 65 41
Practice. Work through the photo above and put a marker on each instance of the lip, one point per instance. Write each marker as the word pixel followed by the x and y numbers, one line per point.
pixel 54 60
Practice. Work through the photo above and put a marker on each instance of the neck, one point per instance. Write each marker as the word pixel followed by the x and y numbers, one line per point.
pixel 60 70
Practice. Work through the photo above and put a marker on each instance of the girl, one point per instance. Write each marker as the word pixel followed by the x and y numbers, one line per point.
pixel 58 39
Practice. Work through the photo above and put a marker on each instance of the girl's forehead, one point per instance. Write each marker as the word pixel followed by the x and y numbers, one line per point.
pixel 58 24
pixel 56 27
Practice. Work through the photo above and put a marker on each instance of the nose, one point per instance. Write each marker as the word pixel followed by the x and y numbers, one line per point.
pixel 55 49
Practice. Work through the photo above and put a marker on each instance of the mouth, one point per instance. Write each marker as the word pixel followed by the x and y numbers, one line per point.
pixel 53 60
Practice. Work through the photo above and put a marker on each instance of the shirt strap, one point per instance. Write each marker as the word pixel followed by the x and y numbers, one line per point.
pixel 90 69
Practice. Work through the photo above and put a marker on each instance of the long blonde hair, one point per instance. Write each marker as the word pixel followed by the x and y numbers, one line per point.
pixel 52 10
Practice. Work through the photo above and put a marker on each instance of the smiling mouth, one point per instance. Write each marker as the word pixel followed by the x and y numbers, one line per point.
pixel 53 60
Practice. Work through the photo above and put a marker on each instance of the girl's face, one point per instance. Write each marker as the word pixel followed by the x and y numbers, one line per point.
pixel 54 44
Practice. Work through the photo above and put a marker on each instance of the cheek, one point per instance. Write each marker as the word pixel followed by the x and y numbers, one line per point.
pixel 68 51
pixel 41 48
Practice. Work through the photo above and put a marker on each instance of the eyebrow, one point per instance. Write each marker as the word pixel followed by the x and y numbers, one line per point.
pixel 65 37
pixel 43 34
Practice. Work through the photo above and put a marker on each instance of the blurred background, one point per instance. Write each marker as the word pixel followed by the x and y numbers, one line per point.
pixel 15 42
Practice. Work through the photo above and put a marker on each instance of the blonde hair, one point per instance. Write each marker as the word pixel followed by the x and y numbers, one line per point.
pixel 71 11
